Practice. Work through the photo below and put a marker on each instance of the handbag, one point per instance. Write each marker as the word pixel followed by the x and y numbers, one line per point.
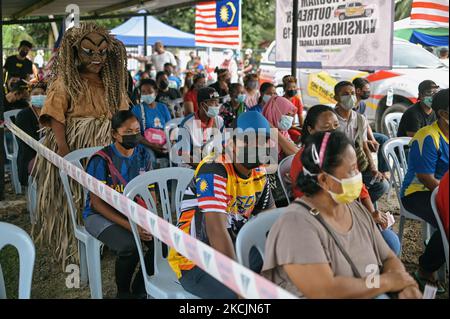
pixel 320 219
pixel 152 135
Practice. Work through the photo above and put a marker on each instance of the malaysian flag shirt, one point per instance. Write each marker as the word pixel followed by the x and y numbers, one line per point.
pixel 218 188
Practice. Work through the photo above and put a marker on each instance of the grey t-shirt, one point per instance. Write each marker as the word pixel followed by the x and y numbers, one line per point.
pixel 299 238
pixel 350 127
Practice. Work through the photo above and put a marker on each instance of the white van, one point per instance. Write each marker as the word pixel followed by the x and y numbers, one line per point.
pixel 411 65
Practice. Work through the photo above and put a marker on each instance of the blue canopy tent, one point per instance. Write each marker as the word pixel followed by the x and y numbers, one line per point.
pixel 131 33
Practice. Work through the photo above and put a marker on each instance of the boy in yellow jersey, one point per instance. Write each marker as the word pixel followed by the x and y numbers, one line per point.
pixel 220 198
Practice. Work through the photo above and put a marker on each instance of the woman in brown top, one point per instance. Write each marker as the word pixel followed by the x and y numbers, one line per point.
pixel 305 250
pixel 87 86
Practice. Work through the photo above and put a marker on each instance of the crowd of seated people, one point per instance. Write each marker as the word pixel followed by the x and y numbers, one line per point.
pixel 333 176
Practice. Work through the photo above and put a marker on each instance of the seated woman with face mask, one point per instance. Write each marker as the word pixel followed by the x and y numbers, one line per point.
pixel 251 84
pixel 152 117
pixel 116 165
pixel 28 121
pixel 326 245
pixel 280 114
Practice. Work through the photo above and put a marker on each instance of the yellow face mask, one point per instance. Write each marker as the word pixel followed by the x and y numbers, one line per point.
pixel 351 189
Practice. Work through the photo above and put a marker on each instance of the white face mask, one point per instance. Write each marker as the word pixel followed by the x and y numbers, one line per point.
pixel 266 98
pixel 148 98
pixel 38 100
pixel 285 122
pixel 348 102
pixel 213 111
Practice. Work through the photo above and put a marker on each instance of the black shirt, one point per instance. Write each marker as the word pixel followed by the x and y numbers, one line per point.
pixel 168 96
pixel 414 119
pixel 252 62
pixel 21 68
pixel 27 121
pixel 9 106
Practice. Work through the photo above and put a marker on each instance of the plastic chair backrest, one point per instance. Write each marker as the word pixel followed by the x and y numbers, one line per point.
pixel 254 234
pixel 8 116
pixel 284 168
pixel 17 237
pixel 392 121
pixel 440 224
pixel 75 158
pixel 168 129
pixel 161 177
pixel 394 154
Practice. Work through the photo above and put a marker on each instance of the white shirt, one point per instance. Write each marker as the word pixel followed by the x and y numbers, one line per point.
pixel 158 60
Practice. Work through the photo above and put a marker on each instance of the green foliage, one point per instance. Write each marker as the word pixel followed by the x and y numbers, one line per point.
pixel 40 33
pixel 403 9
pixel 13 34
pixel 258 18
pixel 110 23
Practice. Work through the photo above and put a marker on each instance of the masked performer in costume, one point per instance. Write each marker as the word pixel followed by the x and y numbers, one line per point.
pixel 88 85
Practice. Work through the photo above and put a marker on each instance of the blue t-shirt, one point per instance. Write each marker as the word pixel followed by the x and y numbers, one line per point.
pixel 256 108
pixel 154 118
pixel 129 168
pixel 428 155
pixel 175 80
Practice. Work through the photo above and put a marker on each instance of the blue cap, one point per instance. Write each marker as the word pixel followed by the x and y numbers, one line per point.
pixel 252 121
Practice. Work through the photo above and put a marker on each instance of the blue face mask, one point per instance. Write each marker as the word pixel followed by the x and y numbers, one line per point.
pixel 241 98
pixel 285 122
pixel 148 98
pixel 266 98
pixel 428 101
pixel 38 100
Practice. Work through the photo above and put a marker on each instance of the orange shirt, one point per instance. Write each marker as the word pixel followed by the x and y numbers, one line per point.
pixel 191 96
pixel 299 105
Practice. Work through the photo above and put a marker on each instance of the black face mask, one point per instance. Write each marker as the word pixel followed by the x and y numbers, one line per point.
pixel 23 53
pixel 365 95
pixel 163 85
pixel 291 93
pixel 251 163
pixel 130 141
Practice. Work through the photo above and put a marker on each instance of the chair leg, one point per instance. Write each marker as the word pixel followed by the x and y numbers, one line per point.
pixel 2 285
pixel 15 178
pixel 401 227
pixel 83 263
pixel 94 269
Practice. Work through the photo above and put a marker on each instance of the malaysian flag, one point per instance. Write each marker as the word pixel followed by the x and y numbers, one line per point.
pixel 211 192
pixel 218 24
pixel 430 13
pixel 48 67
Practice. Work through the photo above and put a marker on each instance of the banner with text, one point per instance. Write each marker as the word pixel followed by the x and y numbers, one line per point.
pixel 336 34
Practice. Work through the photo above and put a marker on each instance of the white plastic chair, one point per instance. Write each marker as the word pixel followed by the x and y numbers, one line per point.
pixel 163 284
pixel 17 237
pixel 12 156
pixel 392 121
pixel 88 246
pixel 440 225
pixel 254 234
pixel 284 168
pixel 168 128
pixel 32 196
pixel 394 154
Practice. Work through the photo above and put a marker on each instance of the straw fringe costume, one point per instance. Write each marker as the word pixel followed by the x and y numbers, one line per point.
pixel 84 103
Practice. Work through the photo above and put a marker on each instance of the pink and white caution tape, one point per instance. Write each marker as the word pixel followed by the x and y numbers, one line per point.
pixel 235 276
